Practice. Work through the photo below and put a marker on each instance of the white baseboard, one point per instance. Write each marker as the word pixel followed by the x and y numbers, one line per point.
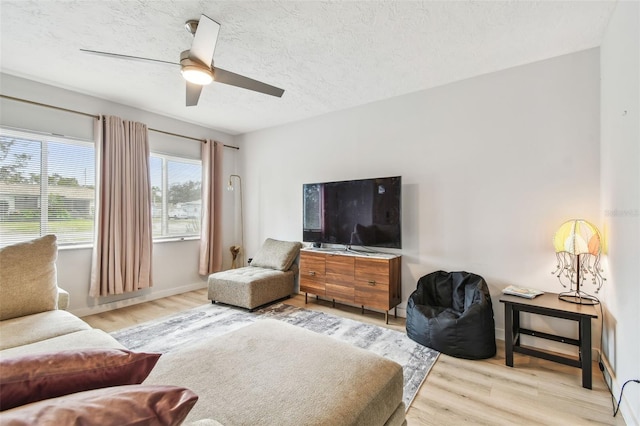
pixel 627 414
pixel 153 295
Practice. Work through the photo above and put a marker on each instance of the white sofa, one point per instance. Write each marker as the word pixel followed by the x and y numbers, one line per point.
pixel 267 373
pixel 57 370
pixel 32 313
pixel 49 331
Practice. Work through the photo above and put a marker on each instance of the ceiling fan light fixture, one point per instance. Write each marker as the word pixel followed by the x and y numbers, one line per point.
pixel 197 75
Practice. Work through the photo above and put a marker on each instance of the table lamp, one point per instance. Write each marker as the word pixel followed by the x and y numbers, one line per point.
pixel 578 246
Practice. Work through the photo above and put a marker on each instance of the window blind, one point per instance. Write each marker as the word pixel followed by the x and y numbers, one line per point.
pixel 47 186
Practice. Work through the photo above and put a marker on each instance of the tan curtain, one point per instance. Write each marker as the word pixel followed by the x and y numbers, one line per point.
pixel 211 229
pixel 121 260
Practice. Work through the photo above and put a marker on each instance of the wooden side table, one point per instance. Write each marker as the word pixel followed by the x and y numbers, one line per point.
pixel 548 304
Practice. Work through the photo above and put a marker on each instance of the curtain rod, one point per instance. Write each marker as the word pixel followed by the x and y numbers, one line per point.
pixel 97 117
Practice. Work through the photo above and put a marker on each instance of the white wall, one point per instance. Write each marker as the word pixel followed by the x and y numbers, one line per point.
pixel 491 166
pixel 620 182
pixel 175 264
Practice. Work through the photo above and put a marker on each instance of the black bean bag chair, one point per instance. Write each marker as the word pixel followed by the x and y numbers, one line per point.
pixel 451 312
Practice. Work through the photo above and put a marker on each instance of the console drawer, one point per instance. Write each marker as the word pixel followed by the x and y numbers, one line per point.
pixel 340 292
pixel 312 286
pixel 312 273
pixel 312 266
pixel 374 296
pixel 372 271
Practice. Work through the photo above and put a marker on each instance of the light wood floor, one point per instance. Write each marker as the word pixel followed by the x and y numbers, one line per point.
pixel 456 391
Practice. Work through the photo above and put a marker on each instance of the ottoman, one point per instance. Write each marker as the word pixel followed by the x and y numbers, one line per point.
pixel 271 276
pixel 251 286
pixel 273 373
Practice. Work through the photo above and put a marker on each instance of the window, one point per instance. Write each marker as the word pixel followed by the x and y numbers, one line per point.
pixel 62 204
pixel 175 194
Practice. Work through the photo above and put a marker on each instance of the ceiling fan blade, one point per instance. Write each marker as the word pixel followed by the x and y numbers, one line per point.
pixel 233 79
pixel 204 40
pixel 193 93
pixel 128 57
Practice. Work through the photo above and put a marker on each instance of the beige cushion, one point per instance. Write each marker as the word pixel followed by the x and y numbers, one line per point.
pixel 276 254
pixel 34 328
pixel 28 277
pixel 92 338
pixel 248 274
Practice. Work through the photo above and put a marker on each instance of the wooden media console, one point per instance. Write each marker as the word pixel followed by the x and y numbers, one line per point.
pixel 369 280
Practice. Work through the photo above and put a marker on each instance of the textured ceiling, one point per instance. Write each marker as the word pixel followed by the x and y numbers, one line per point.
pixel 327 55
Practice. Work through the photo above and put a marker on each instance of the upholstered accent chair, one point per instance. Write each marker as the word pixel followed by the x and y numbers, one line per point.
pixel 271 276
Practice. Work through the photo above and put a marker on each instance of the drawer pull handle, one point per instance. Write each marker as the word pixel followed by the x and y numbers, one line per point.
pixel 371 282
pixel 312 273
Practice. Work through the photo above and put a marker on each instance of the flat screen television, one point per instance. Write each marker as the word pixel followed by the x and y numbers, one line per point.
pixel 364 212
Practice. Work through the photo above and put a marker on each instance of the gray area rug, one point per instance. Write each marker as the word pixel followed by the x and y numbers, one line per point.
pixel 177 331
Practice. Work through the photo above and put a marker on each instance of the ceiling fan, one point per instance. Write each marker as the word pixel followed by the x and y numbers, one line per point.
pixel 196 64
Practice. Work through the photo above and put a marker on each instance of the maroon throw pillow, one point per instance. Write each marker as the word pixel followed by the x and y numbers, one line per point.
pixel 148 405
pixel 36 377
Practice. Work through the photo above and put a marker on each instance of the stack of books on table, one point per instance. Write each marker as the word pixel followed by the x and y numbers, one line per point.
pixel 528 293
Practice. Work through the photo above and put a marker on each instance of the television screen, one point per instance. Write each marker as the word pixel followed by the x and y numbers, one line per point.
pixel 365 212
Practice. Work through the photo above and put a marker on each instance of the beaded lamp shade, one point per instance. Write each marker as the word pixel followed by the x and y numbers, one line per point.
pixel 577 237
pixel 578 246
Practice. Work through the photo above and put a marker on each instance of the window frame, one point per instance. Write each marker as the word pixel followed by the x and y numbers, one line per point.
pixel 165 159
pixel 45 139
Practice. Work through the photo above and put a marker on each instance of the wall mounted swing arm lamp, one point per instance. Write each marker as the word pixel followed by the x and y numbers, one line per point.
pixel 230 184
